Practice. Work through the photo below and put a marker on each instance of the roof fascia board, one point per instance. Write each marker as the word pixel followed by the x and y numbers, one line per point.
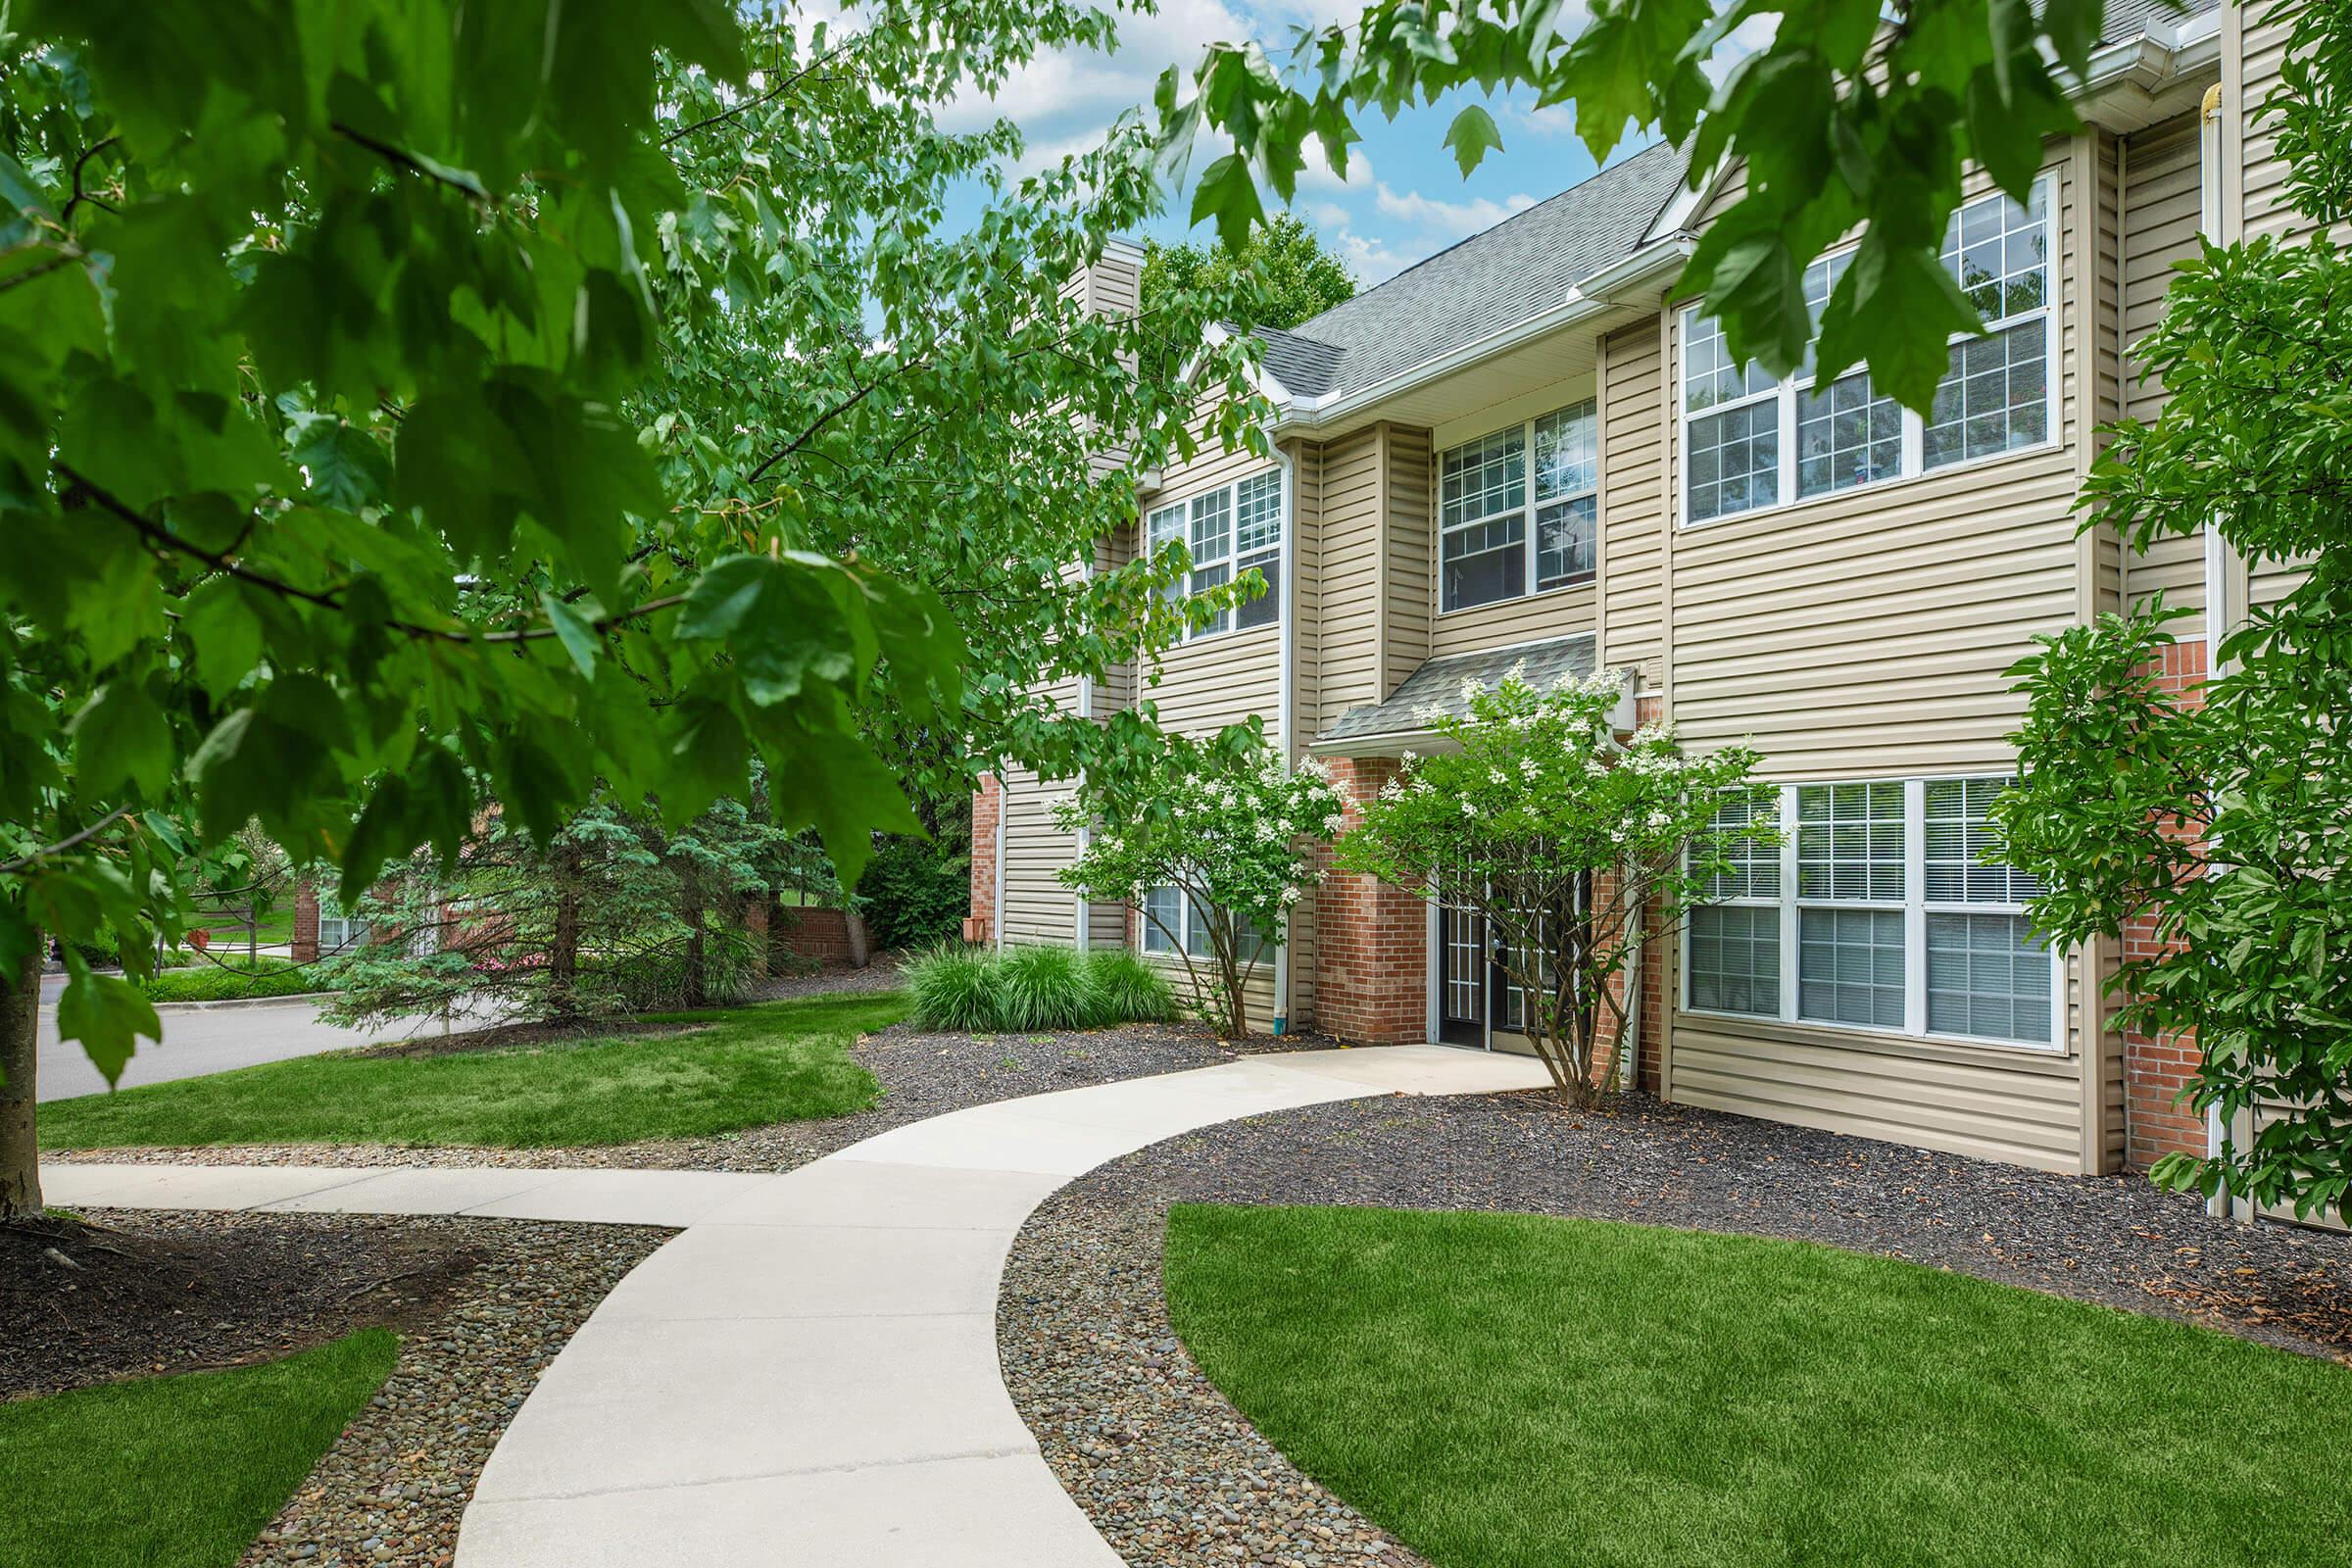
pixel 1589 298
pixel 1269 386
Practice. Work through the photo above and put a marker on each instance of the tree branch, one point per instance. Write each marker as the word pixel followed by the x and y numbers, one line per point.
pixel 24 861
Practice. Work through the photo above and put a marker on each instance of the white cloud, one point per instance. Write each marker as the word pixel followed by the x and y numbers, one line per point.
pixel 1450 220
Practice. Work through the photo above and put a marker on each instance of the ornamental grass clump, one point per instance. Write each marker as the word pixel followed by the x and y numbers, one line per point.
pixel 1044 988
pixel 954 989
pixel 1127 990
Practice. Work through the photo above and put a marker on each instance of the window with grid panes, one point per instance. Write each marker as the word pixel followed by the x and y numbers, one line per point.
pixel 1257 544
pixel 1849 857
pixel 1734 941
pixel 1989 975
pixel 1997 394
pixel 1739 428
pixel 1229 529
pixel 1516 510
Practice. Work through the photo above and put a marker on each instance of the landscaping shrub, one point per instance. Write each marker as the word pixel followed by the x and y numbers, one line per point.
pixel 233 979
pixel 1045 988
pixel 914 893
pixel 1128 990
pixel 976 991
pixel 955 988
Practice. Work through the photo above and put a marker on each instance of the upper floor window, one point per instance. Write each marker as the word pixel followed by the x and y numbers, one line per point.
pixel 1229 530
pixel 1878 910
pixel 1501 527
pixel 1751 442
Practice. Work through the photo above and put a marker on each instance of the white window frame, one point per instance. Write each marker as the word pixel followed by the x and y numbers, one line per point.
pixel 1174 520
pixel 1190 925
pixel 1749 901
pixel 1915 907
pixel 1531 504
pixel 1790 392
pixel 332 915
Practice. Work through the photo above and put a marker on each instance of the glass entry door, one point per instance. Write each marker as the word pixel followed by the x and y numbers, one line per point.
pixel 1463 974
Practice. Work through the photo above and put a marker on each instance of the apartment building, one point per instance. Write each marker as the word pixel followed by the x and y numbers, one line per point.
pixel 1525 449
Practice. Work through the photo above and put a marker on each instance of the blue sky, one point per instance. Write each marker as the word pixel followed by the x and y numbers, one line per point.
pixel 1403 200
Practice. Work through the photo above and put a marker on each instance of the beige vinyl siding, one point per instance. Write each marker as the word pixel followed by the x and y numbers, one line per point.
pixel 2161 202
pixel 1411 511
pixel 1866 634
pixel 1347 551
pixel 1633 407
pixel 2002 1106
pixel 1869 632
pixel 1527 619
pixel 1371 545
pixel 1038 909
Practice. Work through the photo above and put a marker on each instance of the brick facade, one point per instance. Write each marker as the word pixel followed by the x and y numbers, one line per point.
pixel 305 923
pixel 988 806
pixel 822 935
pixel 1371 940
pixel 2155 1071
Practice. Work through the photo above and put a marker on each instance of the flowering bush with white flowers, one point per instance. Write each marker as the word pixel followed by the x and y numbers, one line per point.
pixel 1227 827
pixel 1535 814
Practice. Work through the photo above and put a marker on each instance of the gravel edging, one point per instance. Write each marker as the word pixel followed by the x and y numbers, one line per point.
pixel 922 1074
pixel 394 1487
pixel 1175 1477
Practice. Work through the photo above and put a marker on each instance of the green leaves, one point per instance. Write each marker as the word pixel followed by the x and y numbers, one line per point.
pixel 122 737
pixel 1472 135
pixel 108 1015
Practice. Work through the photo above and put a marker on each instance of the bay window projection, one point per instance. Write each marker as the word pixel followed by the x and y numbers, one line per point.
pixel 1229 530
pixel 1878 911
pixel 1750 441
pixel 1503 526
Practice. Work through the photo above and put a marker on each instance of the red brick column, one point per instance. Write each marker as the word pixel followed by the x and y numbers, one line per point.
pixel 988 806
pixel 1371 940
pixel 306 922
pixel 2155 1071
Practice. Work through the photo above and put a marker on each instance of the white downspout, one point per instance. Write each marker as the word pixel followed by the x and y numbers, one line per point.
pixel 2217 551
pixel 1285 658
pixel 1004 806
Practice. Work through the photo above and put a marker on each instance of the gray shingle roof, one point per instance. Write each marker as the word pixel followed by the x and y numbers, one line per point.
pixel 2128 19
pixel 1526 264
pixel 1437 684
pixel 1522 267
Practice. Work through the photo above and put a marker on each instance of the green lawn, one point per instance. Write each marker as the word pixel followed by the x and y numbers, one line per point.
pixel 1517 1392
pixel 229 977
pixel 178 1472
pixel 783 1061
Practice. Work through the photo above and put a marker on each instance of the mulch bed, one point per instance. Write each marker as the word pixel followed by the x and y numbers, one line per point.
pixel 141 1295
pixel 481 1306
pixel 1175 1477
pixel 922 1074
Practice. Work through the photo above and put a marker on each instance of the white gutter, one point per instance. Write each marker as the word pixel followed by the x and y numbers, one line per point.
pixel 1586 299
pixel 1004 804
pixel 1286 664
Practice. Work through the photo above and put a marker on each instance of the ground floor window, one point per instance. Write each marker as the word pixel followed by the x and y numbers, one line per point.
pixel 1169 916
pixel 1886 908
pixel 339 932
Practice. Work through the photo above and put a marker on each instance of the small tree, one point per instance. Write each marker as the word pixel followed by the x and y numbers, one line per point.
pixel 1560 838
pixel 2222 827
pixel 1225 826
pixel 1284 269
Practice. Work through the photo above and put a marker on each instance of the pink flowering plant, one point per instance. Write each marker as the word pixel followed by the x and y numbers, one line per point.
pixel 1535 812
pixel 1212 845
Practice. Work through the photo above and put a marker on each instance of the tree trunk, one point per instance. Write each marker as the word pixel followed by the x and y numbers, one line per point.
pixel 564 952
pixel 861 946
pixel 20 1044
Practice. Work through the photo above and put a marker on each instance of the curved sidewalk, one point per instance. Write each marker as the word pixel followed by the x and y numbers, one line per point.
pixel 808 1375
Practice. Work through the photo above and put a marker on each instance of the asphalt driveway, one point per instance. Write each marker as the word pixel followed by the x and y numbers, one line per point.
pixel 200 1038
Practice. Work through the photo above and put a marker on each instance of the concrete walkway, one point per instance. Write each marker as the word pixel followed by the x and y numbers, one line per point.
pixel 806 1375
